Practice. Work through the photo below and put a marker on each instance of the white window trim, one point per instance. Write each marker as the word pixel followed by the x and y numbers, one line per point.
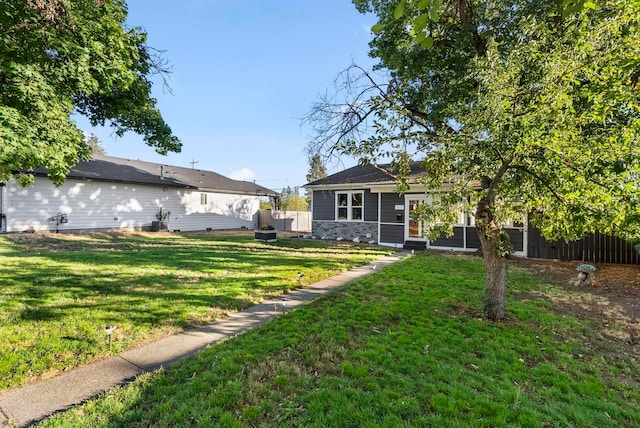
pixel 203 199
pixel 349 206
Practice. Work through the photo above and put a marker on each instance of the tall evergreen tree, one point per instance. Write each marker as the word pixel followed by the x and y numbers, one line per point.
pixel 317 171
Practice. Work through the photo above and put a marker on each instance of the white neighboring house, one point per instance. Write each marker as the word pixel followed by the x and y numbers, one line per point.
pixel 109 193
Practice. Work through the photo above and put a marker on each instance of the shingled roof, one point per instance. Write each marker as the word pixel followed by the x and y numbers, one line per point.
pixel 367 174
pixel 119 170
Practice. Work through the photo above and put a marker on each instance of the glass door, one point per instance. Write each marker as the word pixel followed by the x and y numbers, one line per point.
pixel 416 228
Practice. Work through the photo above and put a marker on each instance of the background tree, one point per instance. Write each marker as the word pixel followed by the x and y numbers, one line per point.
pixel 291 200
pixel 266 204
pixel 317 170
pixel 57 57
pixel 94 144
pixel 525 106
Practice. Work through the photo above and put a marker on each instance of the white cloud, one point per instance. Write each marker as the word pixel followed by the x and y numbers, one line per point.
pixel 243 174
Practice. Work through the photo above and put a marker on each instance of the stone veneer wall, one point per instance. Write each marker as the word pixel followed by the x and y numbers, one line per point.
pixel 347 229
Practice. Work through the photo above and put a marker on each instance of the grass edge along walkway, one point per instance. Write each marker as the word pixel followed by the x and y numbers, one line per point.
pixel 29 404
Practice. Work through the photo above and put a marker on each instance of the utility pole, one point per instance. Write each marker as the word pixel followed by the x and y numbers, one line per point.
pixel 193 163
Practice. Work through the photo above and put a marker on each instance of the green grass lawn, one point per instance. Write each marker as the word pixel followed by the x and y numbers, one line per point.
pixel 60 291
pixel 404 347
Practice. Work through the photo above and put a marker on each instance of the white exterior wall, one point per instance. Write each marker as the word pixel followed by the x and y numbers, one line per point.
pixel 99 205
pixel 221 211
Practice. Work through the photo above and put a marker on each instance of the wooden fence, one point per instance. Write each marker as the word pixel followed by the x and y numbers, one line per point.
pixel 596 248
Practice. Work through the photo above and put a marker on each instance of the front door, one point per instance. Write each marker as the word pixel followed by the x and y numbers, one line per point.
pixel 415 229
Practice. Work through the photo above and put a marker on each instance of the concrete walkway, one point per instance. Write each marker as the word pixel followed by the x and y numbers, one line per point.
pixel 27 405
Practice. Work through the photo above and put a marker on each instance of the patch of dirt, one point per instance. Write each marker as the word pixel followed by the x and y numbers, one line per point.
pixel 26 238
pixel 108 241
pixel 614 299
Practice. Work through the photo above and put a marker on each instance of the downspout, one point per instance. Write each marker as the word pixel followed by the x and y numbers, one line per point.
pixel 3 216
pixel 525 236
pixel 311 211
pixel 379 216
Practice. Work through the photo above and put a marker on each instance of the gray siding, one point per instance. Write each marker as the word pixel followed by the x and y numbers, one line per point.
pixel 455 241
pixel 472 237
pixel 370 206
pixel 388 213
pixel 324 205
pixel 517 239
pixel 392 233
pixel 516 236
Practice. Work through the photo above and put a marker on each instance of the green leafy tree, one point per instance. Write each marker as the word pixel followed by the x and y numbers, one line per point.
pixel 523 106
pixel 317 170
pixel 295 203
pixel 291 200
pixel 266 204
pixel 58 57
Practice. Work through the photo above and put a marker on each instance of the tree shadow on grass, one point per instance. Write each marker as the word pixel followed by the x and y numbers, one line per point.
pixel 144 283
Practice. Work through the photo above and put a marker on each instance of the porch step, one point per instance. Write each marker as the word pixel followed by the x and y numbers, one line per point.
pixel 414 245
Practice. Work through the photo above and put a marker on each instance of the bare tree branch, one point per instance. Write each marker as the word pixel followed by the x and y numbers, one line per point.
pixel 349 119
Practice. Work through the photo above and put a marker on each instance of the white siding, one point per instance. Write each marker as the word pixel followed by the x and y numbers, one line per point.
pixel 221 212
pixel 97 205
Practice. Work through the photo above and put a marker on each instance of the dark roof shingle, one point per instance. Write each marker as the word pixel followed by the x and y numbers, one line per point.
pixel 108 168
pixel 367 174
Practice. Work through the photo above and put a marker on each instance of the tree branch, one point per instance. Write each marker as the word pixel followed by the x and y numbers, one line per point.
pixel 542 181
pixel 504 167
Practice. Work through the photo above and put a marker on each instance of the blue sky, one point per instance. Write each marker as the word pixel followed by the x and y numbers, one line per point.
pixel 243 74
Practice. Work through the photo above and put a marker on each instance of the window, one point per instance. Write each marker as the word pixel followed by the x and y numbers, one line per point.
pixel 460 216
pixel 203 199
pixel 471 220
pixel 457 215
pixel 519 223
pixel 430 216
pixel 349 206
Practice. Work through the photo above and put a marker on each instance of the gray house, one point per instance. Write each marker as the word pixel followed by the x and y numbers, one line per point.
pixel 362 202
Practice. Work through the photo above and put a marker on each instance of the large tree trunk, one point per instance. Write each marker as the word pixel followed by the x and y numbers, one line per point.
pixel 494 251
pixel 495 264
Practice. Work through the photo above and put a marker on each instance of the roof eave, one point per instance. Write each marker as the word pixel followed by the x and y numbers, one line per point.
pixel 347 186
pixel 236 192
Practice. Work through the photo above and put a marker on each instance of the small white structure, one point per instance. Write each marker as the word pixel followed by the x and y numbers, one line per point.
pixel 108 193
